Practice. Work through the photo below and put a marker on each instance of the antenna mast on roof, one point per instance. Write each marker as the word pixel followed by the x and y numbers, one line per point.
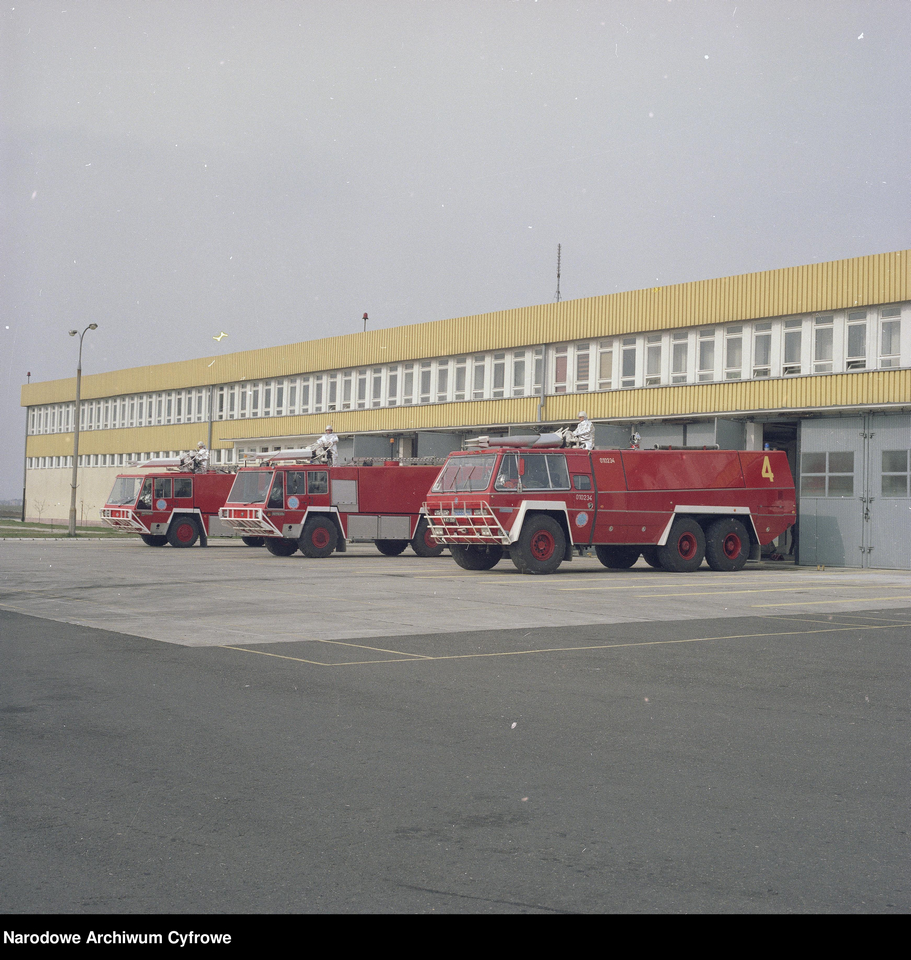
pixel 557 297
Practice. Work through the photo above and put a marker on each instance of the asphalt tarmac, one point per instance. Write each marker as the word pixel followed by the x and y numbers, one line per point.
pixel 220 732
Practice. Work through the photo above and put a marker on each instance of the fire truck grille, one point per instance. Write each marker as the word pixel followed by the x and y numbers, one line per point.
pixel 464 522
pixel 247 522
pixel 121 520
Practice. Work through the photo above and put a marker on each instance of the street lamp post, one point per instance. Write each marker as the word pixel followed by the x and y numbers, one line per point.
pixel 76 333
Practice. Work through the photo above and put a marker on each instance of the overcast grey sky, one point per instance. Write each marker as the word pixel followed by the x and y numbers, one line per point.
pixel 173 169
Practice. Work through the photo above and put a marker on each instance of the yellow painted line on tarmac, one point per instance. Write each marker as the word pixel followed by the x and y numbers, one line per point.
pixel 400 655
pixel 724 593
pixel 801 603
pixel 412 658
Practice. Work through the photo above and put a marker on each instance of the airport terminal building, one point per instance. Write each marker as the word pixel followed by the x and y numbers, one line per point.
pixel 814 360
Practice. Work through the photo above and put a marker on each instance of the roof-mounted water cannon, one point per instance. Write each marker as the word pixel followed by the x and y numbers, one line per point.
pixel 530 440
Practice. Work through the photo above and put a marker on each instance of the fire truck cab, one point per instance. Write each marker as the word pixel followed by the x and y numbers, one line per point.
pixel 297 504
pixel 166 505
pixel 674 507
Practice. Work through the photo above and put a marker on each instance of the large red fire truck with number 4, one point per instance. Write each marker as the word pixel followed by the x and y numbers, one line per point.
pixel 299 504
pixel 165 503
pixel 674 507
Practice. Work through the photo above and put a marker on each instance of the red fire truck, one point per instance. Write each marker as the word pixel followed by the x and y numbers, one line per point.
pixel 674 507
pixel 167 505
pixel 296 503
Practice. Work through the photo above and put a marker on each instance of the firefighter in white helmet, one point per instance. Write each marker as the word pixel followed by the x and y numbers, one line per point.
pixel 585 432
pixel 202 458
pixel 329 442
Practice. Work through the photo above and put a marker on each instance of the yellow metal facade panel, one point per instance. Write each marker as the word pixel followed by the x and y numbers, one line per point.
pixel 736 397
pixel 134 439
pixel 861 281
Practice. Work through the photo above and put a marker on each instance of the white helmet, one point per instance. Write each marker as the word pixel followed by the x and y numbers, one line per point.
pixel 582 415
pixel 328 428
pixel 200 445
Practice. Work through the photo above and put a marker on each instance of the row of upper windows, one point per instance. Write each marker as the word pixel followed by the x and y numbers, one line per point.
pixel 123 459
pixel 835 342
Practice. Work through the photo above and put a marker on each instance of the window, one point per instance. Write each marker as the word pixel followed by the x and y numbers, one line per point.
pixel 479 369
pixel 317 482
pixel 499 375
pixel 542 471
pixel 466 474
pixel 376 398
pixel 425 381
pixel 560 367
pixel 277 493
pixel 183 488
pixel 856 347
pixel 896 474
pixel 408 384
pixel 890 330
pixel 461 366
pixel 295 483
pixel 443 381
pixel 162 488
pixel 628 362
pixel 793 339
pixel 518 374
pixel 827 474
pixel 706 354
pixel 582 369
pixel 823 342
pixel 653 359
pixel 392 386
pixel 679 354
pixel 605 364
pixel 733 352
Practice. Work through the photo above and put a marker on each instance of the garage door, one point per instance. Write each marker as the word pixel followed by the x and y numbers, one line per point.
pixel 855 491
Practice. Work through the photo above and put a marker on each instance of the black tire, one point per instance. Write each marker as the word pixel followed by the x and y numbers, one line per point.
pixel 280 546
pixel 319 538
pixel 727 545
pixel 254 541
pixel 476 557
pixel 617 558
pixel 183 532
pixel 151 540
pixel 541 545
pixel 423 543
pixel 391 548
pixel 685 547
pixel 650 556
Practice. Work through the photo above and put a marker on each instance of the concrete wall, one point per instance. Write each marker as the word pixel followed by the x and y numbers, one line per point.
pixel 47 494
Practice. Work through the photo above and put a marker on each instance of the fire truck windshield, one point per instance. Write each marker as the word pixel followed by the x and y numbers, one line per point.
pixel 250 486
pixel 125 491
pixel 467 474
